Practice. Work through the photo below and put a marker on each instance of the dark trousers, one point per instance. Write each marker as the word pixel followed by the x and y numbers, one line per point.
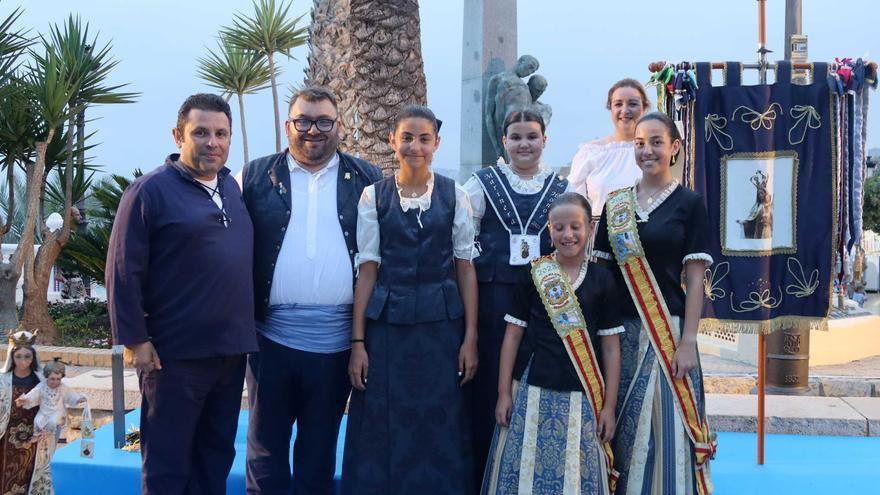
pixel 189 414
pixel 285 386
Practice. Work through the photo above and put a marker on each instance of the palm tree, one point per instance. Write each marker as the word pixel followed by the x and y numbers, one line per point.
pixel 268 32
pixel 376 68
pixel 235 71
pixel 75 60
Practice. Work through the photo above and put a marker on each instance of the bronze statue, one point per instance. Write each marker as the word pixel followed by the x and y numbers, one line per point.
pixel 508 92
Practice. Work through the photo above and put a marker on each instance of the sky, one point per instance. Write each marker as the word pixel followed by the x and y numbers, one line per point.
pixel 583 46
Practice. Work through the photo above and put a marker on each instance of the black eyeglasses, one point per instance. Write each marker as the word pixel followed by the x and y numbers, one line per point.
pixel 304 125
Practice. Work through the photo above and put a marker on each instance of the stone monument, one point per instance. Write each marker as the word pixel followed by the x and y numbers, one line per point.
pixel 488 48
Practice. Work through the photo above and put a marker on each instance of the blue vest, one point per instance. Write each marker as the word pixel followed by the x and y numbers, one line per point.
pixel 416 281
pixel 507 212
pixel 266 193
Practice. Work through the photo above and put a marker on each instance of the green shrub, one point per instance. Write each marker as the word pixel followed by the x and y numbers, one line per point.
pixel 81 323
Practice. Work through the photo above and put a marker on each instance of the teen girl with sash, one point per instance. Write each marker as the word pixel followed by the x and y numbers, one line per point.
pixel 414 334
pixel 652 232
pixel 510 204
pixel 555 425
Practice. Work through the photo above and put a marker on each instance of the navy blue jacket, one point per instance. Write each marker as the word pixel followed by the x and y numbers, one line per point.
pixel 266 193
pixel 416 281
pixel 175 274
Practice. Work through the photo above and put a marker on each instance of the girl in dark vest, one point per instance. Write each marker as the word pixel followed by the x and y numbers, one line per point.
pixel 510 203
pixel 414 334
pixel 554 426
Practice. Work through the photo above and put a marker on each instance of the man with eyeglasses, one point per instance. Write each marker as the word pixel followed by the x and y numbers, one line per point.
pixel 179 268
pixel 303 203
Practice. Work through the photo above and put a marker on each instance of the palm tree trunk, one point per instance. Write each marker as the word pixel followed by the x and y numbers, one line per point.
pixel 275 104
pixel 330 63
pixel 244 141
pixel 389 70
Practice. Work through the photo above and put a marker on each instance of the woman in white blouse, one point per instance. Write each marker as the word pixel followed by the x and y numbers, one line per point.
pixel 607 164
pixel 510 203
pixel 414 334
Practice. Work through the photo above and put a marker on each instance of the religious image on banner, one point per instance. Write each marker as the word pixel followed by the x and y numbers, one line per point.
pixel 758 204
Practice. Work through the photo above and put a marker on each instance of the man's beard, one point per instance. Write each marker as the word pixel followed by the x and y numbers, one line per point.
pixel 314 155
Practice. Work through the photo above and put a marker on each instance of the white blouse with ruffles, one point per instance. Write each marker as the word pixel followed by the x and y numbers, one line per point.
pixel 368 223
pixel 600 167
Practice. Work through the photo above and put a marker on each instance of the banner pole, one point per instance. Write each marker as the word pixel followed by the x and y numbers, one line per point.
pixel 762 79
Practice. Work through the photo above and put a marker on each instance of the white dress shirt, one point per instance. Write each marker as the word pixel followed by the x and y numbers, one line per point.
pixel 313 266
pixel 368 223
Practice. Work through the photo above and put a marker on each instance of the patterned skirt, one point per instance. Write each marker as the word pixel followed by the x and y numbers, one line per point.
pixel 549 448
pixel 652 451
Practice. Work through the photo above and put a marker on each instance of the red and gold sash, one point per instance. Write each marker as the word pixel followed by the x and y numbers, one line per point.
pixel 623 236
pixel 567 318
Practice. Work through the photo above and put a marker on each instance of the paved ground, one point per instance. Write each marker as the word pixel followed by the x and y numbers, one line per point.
pixel 866 368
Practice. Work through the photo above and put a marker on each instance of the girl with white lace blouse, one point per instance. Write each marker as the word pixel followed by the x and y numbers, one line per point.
pixel 510 203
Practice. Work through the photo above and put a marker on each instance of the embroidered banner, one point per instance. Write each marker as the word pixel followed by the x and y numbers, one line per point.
pixel 765 159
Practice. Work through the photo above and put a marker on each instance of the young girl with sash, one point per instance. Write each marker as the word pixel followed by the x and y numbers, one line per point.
pixel 653 232
pixel 555 424
pixel 510 203
pixel 414 334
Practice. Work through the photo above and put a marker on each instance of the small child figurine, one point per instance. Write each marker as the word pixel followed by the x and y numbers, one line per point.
pixel 53 397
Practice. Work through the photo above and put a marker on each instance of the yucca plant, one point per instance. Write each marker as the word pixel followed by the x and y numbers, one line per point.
pixel 268 31
pixel 235 72
pixel 86 253
pixel 70 77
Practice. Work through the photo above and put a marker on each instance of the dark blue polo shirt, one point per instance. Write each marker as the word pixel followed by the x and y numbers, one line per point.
pixel 176 275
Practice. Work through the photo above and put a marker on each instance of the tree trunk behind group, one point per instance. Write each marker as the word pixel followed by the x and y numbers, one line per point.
pixel 370 53
pixel 21 259
pixel 244 141
pixel 35 314
pixel 389 72
pixel 8 272
pixel 330 62
pixel 35 308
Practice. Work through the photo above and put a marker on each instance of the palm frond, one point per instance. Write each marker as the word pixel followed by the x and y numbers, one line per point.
pixel 234 70
pixel 267 30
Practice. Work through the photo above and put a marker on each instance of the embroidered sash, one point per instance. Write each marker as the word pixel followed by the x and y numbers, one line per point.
pixel 567 318
pixel 623 236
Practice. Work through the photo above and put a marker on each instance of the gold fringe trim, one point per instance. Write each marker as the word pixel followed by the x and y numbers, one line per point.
pixel 763 326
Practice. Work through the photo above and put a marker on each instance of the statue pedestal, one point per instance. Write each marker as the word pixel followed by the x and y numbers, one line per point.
pixel 489 47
